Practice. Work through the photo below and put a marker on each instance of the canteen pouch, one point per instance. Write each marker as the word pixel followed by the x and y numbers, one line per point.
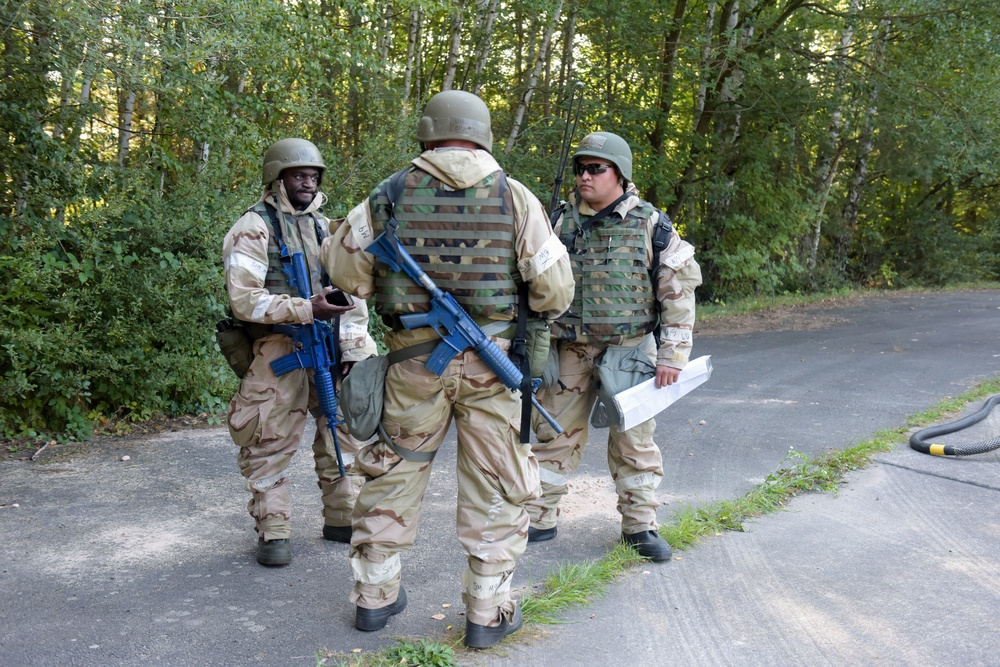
pixel 361 396
pixel 234 342
pixel 619 368
pixel 538 340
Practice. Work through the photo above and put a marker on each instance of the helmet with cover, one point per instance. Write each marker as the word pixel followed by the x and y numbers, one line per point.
pixel 288 153
pixel 456 114
pixel 607 146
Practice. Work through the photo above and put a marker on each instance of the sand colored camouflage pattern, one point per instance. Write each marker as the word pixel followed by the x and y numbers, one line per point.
pixel 473 261
pixel 266 419
pixel 268 414
pixel 496 474
pixel 634 460
pixel 676 281
pixel 633 457
pixel 614 297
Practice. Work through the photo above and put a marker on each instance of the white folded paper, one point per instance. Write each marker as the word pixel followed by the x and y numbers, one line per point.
pixel 644 401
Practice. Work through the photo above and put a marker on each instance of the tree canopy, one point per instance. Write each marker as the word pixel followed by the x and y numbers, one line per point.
pixel 799 145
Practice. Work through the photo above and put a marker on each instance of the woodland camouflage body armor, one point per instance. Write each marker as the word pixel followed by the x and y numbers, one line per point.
pixel 463 239
pixel 614 295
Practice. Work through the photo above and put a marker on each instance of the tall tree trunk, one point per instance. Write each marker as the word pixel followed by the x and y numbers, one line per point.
pixel 668 63
pixel 385 36
pixel 533 79
pixel 830 152
pixel 411 43
pixel 492 9
pixel 569 36
pixel 418 65
pixel 455 50
pixel 125 125
pixel 728 117
pixel 849 213
pixel 706 61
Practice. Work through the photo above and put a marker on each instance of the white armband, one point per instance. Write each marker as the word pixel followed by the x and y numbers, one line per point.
pixel 678 335
pixel 550 253
pixel 244 261
pixel 680 258
pixel 263 303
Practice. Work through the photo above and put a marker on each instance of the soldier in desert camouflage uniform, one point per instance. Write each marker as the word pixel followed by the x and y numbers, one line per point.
pixel 608 231
pixel 477 234
pixel 268 414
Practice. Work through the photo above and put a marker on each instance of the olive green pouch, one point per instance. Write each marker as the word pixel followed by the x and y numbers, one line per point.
pixel 538 339
pixel 362 395
pixel 234 342
pixel 618 368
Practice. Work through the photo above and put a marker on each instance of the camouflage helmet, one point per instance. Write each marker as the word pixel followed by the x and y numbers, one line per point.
pixel 456 114
pixel 289 153
pixel 608 147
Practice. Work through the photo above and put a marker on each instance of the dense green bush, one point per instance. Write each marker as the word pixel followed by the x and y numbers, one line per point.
pixel 112 317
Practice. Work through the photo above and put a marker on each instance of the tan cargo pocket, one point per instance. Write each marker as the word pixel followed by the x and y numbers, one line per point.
pixel 244 414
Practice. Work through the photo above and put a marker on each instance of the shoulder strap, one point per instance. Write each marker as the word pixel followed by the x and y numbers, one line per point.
pixel 661 238
pixel 393 190
pixel 272 216
pixel 603 213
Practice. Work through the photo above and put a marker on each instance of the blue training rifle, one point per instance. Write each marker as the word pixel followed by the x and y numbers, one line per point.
pixel 446 313
pixel 315 348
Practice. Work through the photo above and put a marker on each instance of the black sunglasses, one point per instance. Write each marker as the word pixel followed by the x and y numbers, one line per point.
pixel 593 169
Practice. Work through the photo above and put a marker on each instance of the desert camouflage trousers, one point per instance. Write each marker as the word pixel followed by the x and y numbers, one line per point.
pixel 267 417
pixel 634 460
pixel 496 475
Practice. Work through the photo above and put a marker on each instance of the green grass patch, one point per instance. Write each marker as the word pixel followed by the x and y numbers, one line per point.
pixel 576 584
pixel 422 653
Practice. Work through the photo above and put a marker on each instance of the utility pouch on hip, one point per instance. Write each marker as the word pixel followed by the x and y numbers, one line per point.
pixel 618 369
pixel 538 339
pixel 550 374
pixel 362 394
pixel 234 342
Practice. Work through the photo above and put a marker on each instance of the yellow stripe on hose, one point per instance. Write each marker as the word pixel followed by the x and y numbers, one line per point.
pixel 937 450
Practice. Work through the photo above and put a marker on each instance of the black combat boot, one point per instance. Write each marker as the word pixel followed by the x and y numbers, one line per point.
pixel 541 534
pixel 483 636
pixel 337 534
pixel 649 544
pixel 274 552
pixel 369 620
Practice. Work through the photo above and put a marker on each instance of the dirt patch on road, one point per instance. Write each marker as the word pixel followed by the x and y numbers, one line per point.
pixel 810 317
pixel 30 449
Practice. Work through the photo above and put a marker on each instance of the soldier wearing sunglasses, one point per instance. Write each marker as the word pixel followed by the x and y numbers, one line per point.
pixel 631 319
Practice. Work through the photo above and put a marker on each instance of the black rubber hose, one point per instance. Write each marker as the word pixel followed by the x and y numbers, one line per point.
pixel 917 440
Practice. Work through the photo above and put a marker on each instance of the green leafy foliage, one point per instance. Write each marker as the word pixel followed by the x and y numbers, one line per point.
pixel 800 146
pixel 421 654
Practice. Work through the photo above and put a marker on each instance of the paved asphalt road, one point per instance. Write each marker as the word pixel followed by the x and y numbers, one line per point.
pixel 149 560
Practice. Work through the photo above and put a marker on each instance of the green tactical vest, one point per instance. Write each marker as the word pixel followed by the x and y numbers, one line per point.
pixel 276 280
pixel 463 239
pixel 613 299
